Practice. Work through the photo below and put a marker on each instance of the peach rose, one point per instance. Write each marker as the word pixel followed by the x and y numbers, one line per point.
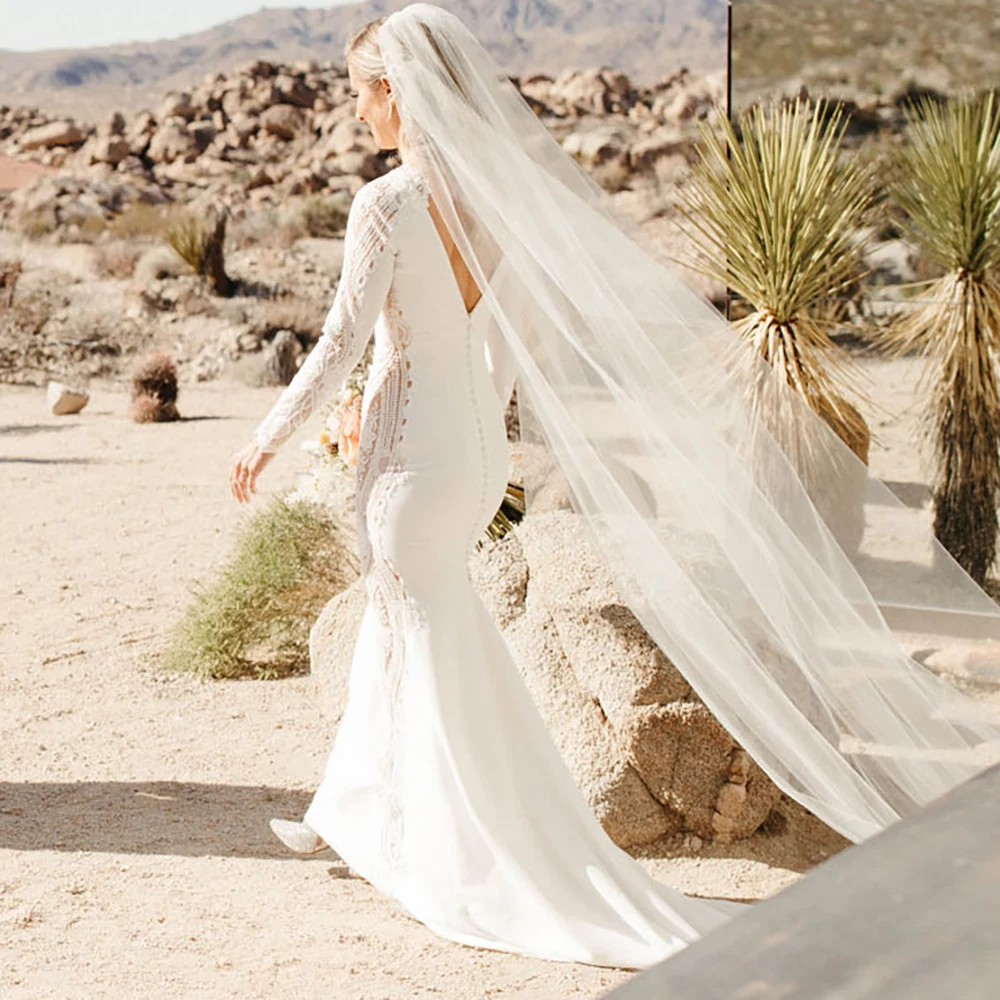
pixel 350 430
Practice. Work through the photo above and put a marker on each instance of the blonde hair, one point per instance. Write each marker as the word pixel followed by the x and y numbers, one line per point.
pixel 364 54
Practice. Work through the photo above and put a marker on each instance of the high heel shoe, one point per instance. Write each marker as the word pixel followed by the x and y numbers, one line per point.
pixel 298 837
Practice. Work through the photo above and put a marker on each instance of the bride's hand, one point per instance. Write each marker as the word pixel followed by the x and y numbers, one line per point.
pixel 246 467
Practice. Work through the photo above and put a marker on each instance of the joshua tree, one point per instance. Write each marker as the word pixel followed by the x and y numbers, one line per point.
pixel 948 189
pixel 778 215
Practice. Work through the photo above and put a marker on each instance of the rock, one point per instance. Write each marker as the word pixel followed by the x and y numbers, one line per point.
pixel 367 166
pixel 113 125
pixel 283 121
pixel 63 400
pixel 203 132
pixel 294 91
pixel 644 155
pixel 976 663
pixel 158 263
pixel 172 141
pixel 596 91
pixel 348 135
pixel 331 646
pixel 176 104
pixel 109 149
pixel 280 358
pixel 62 133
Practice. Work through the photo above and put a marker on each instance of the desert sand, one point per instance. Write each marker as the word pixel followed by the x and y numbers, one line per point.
pixel 135 857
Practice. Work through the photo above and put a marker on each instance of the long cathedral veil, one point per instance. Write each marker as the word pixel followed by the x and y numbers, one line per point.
pixel 743 554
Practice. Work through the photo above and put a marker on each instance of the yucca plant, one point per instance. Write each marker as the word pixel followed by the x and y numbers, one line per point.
pixel 200 243
pixel 509 514
pixel 778 215
pixel 948 191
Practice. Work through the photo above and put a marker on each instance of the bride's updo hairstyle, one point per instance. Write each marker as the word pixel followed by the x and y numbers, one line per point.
pixel 363 52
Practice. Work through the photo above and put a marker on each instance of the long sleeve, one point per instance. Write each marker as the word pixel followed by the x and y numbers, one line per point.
pixel 364 284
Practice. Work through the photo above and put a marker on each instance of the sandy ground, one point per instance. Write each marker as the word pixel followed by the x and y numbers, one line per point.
pixel 135 857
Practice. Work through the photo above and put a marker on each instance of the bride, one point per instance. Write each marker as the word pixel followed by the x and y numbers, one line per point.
pixel 489 255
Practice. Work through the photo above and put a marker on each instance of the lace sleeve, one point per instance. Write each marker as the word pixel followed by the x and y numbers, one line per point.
pixel 364 283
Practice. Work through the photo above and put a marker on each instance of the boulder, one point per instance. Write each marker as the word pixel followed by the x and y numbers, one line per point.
pixel 292 90
pixel 62 133
pixel 172 141
pixel 283 121
pixel 176 104
pixel 63 400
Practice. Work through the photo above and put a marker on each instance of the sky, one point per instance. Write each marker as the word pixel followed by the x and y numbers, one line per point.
pixel 28 25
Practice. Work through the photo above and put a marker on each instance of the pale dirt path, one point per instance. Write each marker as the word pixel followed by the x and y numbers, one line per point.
pixel 135 858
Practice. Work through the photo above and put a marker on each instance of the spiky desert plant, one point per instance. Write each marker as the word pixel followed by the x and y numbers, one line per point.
pixel 154 389
pixel 200 243
pixel 948 190
pixel 509 514
pixel 777 215
pixel 253 618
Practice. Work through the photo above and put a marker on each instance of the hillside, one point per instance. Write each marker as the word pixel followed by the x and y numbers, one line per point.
pixel 645 38
pixel 861 49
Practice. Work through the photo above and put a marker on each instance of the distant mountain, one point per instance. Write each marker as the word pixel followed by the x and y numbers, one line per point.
pixel 646 38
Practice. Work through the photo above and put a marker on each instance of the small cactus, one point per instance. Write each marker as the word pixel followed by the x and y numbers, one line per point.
pixel 154 389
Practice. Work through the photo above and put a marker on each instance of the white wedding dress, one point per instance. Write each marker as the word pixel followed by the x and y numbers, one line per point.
pixel 444 788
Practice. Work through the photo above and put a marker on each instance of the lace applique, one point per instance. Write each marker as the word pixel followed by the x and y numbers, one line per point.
pixel 366 278
pixel 381 473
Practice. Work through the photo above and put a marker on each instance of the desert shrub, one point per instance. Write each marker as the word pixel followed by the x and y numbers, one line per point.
pixel 253 619
pixel 323 216
pixel 154 389
pixel 38 223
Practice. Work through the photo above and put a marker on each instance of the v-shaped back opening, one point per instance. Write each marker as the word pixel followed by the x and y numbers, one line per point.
pixel 447 258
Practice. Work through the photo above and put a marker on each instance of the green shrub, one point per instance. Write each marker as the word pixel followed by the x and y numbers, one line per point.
pixel 253 621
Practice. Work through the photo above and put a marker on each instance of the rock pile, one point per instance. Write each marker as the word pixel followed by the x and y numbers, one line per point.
pixel 267 132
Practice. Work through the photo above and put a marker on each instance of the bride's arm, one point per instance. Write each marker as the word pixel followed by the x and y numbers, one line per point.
pixel 364 283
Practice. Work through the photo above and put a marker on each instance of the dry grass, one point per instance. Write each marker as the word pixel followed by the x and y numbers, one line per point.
pixel 253 620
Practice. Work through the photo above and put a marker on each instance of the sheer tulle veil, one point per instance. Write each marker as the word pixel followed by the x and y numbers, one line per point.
pixel 740 529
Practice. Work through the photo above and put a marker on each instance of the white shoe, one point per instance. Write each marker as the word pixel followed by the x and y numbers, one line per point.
pixel 298 837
